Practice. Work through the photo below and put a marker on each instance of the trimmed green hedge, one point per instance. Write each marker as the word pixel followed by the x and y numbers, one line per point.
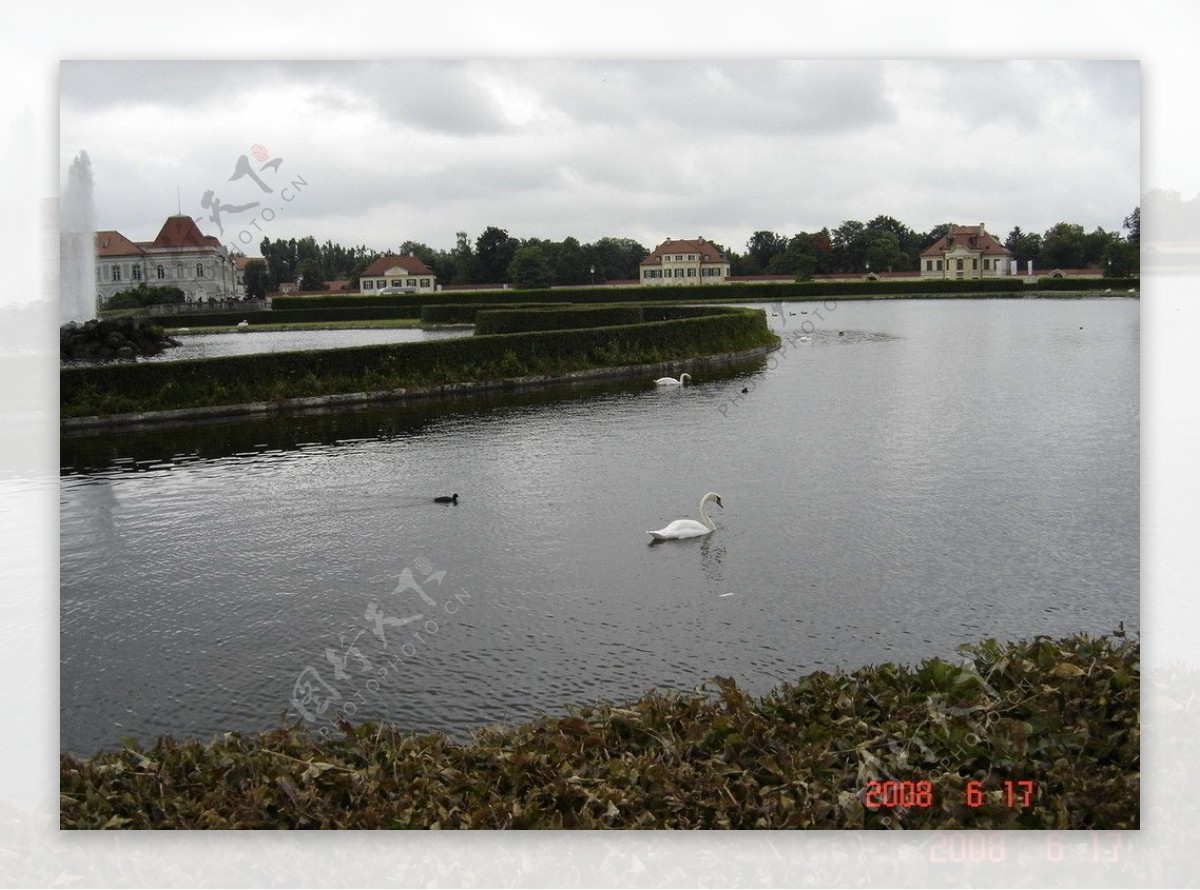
pixel 464 313
pixel 514 321
pixel 735 291
pixel 1117 285
pixel 232 380
pixel 337 301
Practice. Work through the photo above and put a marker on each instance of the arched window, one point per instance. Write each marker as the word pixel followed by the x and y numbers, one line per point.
pixel 199 270
pixel 162 273
pixel 179 271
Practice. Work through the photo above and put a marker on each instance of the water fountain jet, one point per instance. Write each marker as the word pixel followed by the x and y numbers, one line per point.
pixel 77 244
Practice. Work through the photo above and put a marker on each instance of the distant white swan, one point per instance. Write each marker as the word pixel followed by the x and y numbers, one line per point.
pixel 243 326
pixel 690 528
pixel 671 381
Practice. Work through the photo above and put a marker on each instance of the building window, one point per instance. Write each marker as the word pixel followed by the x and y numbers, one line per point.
pixel 136 272
pixel 424 282
pixel 162 273
pixel 939 265
pixel 958 265
pixel 179 271
pixel 411 282
pixel 395 282
pixel 116 273
pixel 691 272
pixel 368 284
pixel 199 270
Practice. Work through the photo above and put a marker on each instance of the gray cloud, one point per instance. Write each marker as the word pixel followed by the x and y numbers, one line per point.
pixel 421 149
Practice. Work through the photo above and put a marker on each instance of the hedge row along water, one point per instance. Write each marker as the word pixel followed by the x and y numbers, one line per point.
pixel 514 321
pixel 232 380
pixel 328 307
pixel 464 313
pixel 734 291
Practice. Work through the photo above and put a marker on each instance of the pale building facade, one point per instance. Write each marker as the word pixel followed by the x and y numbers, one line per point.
pixel 397 273
pixel 181 256
pixel 966 252
pixel 684 262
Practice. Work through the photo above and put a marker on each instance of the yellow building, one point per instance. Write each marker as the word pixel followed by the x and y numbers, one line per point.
pixel 966 252
pixel 397 273
pixel 684 262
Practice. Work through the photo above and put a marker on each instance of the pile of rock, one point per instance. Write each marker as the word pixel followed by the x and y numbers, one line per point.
pixel 102 340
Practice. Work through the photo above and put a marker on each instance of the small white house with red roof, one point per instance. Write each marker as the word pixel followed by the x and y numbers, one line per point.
pixel 181 256
pixel 684 262
pixel 966 252
pixel 397 273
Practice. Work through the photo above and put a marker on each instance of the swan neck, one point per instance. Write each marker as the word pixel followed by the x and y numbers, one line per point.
pixel 704 517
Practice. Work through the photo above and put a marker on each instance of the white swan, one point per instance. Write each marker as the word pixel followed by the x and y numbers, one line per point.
pixel 690 528
pixel 671 381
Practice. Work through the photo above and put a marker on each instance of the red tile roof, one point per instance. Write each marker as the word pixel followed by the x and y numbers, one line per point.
pixel 410 264
pixel 182 231
pixel 112 243
pixel 707 251
pixel 970 237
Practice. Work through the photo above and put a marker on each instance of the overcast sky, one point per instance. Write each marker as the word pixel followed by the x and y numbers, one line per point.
pixel 420 150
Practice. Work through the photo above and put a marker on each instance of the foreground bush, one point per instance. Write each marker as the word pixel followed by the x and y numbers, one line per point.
pixel 1062 715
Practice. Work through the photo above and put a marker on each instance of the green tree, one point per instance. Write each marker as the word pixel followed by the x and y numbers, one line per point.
pixel 311 276
pixel 883 253
pixel 462 260
pixel 1024 246
pixel 849 248
pixel 802 256
pixel 570 264
pixel 438 262
pixel 280 257
pixel 494 250
pixel 1133 223
pixel 530 268
pixel 144 295
pixel 1122 259
pixel 762 247
pixel 615 258
pixel 1063 247
pixel 256 278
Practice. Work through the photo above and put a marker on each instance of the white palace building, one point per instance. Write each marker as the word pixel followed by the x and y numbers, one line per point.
pixel 181 256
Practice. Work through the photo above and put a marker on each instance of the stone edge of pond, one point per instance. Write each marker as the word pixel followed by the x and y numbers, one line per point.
pixel 509 384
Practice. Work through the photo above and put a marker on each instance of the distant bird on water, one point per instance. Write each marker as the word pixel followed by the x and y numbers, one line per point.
pixel 453 499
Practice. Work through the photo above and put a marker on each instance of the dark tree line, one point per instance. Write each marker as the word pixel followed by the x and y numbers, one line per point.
pixel 493 257
pixel 887 245
pixel 882 245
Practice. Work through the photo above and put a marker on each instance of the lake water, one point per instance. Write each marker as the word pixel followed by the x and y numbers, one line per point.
pixel 912 476
pixel 198 345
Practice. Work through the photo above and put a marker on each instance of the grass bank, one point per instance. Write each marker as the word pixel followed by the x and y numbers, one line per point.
pixel 1042 734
